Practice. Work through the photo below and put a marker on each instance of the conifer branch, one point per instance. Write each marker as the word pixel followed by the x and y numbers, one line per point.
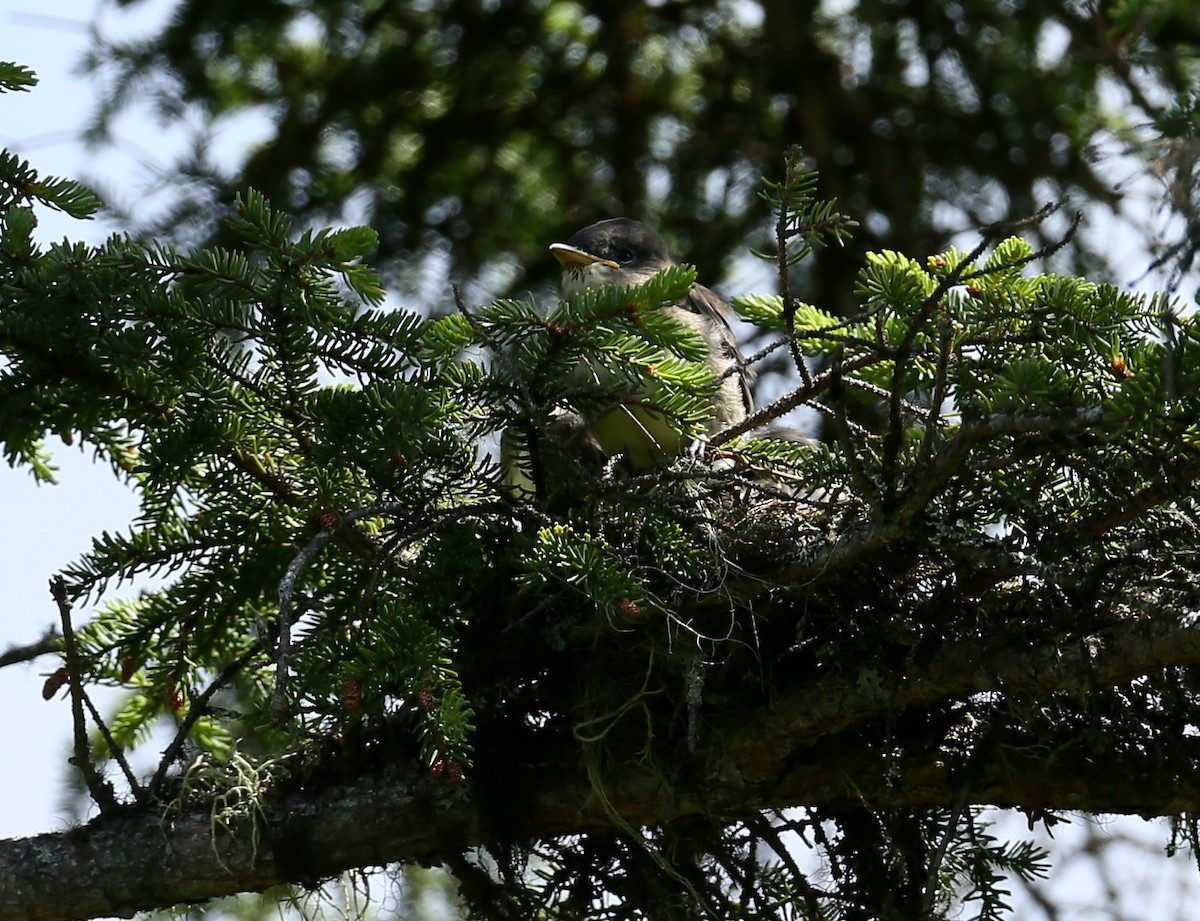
pixel 198 707
pixel 796 751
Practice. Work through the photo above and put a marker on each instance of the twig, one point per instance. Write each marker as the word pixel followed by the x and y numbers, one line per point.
pixel 197 709
pixel 937 396
pixel 841 422
pixel 283 643
pixel 100 789
pixel 829 413
pixel 855 543
pixel 789 401
pixel 1128 508
pixel 894 437
pixel 781 255
pixel 115 750
pixel 367 596
pixel 384 558
pixel 534 424
pixel 766 350
pixel 807 891
pixel 951 457
pixel 49 642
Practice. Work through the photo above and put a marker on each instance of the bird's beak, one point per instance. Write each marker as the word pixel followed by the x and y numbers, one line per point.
pixel 572 256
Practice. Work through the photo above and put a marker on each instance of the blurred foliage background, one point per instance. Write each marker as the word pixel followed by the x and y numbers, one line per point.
pixel 471 133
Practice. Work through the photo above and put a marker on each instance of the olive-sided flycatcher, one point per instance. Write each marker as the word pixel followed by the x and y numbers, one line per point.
pixel 624 252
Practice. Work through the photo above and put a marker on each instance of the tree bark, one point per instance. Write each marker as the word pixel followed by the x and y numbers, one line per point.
pixel 793 752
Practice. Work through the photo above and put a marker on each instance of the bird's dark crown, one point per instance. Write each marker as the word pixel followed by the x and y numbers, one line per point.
pixel 630 243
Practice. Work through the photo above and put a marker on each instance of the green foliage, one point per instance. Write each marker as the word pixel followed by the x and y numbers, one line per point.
pixel 338 555
pixel 208 380
pixel 16 78
pixel 309 468
pixel 24 185
pixel 804 221
pixel 604 347
pixel 21 186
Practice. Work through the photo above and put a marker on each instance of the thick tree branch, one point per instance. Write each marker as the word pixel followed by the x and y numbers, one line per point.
pixel 789 753
pixel 961 669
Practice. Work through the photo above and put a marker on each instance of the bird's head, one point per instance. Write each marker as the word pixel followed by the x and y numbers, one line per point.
pixel 613 252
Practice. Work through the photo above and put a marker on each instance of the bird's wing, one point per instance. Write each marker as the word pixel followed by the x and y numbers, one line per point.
pixel 708 303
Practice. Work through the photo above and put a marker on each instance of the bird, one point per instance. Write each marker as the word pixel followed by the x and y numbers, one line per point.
pixel 626 253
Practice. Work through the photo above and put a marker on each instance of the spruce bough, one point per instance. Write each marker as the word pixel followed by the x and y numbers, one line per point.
pixel 993 584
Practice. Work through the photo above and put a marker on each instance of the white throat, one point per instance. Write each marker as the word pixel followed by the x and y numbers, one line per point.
pixel 578 278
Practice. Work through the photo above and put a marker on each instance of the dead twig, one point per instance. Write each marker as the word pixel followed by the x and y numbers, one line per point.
pixel 100 789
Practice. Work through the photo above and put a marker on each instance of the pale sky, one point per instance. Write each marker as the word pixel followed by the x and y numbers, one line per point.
pixel 45 528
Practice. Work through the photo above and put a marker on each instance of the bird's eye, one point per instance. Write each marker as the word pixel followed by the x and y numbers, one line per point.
pixel 624 256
